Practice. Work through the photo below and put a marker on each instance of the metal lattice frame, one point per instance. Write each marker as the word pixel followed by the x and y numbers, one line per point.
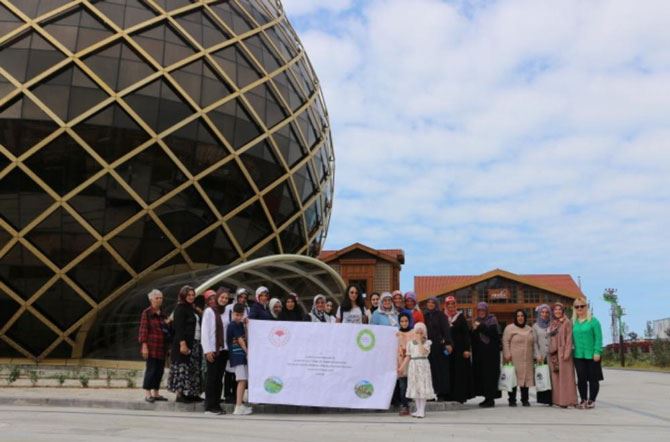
pixel 323 187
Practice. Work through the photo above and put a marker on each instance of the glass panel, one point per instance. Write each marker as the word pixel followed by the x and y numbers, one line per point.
pixel 111 132
pixel 119 66
pixel 257 12
pixel 99 274
pixel 308 131
pixel 151 173
pixel 62 305
pixel 126 13
pixel 142 244
pixel 288 144
pixel 281 43
pixel 23 272
pixel 304 183
pixel 250 226
pixel 236 65
pixel 293 237
pixel 62 350
pixel 60 237
pixel 227 187
pixel 158 105
pixel 229 13
pixel 281 203
pixel 31 334
pixel 8 21
pixel 169 5
pixel 196 146
pixel 164 44
pixel 33 8
pixel 214 248
pixel 288 91
pixel 202 28
pixel 105 204
pixel 185 214
pixel 27 55
pixel 63 164
pixel 262 164
pixel 258 46
pixel 201 83
pixel 7 351
pixel 265 103
pixel 23 124
pixel 313 217
pixel 77 29
pixel 69 92
pixel 267 249
pixel 21 199
pixel 8 306
pixel 235 123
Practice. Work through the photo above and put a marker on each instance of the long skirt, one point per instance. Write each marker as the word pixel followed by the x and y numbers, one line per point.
pixel 185 376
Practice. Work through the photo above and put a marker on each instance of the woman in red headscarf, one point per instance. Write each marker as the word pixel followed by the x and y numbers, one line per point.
pixel 460 364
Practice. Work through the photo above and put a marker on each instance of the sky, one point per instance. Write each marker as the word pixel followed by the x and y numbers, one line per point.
pixel 525 135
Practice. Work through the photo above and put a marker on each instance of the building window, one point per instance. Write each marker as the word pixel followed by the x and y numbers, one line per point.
pixel 532 296
pixel 463 296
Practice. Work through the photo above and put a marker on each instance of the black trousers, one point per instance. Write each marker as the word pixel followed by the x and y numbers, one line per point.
pixel 511 395
pixel 229 387
pixel 588 378
pixel 153 373
pixel 214 384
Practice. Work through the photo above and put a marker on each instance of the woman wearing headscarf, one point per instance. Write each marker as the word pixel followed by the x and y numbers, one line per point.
pixel 541 345
pixel 275 308
pixel 412 306
pixel 260 309
pixel 588 340
pixel 486 355
pixel 318 312
pixel 214 348
pixel 404 335
pixel 386 314
pixel 184 379
pixel 292 309
pixel 374 301
pixel 437 327
pixel 461 387
pixel 518 341
pixel 563 391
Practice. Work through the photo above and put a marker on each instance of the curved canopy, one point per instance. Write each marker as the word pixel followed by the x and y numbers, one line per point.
pixel 113 333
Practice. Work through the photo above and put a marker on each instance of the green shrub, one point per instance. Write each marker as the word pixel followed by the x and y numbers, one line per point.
pixel 130 378
pixel 661 352
pixel 108 378
pixel 14 374
pixel 83 378
pixel 33 376
pixel 61 379
pixel 96 372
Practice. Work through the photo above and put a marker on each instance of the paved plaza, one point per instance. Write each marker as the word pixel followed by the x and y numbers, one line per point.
pixel 634 406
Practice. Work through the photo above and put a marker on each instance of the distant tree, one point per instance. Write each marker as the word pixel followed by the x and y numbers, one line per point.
pixel 649 330
pixel 632 336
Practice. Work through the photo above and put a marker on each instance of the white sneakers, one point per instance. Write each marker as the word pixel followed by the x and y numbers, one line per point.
pixel 242 410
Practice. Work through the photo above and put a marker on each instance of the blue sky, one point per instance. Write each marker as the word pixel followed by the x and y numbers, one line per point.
pixel 525 135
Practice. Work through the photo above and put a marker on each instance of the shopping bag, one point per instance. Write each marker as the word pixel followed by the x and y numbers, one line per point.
pixel 507 380
pixel 542 377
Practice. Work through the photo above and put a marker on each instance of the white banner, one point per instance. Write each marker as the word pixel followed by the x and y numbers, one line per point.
pixel 322 365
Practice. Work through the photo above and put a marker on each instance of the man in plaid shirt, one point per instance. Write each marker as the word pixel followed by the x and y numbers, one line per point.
pixel 153 342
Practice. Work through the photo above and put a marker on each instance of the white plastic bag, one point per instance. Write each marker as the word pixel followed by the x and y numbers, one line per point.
pixel 507 379
pixel 542 377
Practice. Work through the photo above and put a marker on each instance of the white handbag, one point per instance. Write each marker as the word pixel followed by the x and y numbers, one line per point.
pixel 507 380
pixel 542 377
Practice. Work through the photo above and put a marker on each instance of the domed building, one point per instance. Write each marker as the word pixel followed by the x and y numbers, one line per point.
pixel 150 143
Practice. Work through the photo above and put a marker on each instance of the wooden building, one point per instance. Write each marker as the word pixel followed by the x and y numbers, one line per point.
pixel 505 292
pixel 371 269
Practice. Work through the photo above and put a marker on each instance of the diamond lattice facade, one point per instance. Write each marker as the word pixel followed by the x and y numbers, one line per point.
pixel 145 137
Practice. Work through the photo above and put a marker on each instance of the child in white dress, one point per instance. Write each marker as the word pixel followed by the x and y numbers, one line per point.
pixel 419 380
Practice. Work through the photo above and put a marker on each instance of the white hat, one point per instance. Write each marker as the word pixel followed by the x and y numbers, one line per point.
pixel 241 291
pixel 260 290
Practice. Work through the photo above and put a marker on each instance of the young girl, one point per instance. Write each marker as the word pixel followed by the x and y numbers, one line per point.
pixel 404 335
pixel 419 380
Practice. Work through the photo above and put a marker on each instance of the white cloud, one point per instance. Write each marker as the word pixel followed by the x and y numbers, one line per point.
pixel 526 135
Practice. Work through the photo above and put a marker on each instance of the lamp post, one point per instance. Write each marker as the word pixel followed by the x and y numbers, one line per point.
pixel 611 297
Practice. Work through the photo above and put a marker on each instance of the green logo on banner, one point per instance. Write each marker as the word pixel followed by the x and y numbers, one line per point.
pixel 365 339
pixel 273 385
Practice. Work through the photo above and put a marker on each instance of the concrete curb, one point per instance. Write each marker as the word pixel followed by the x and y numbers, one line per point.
pixel 179 407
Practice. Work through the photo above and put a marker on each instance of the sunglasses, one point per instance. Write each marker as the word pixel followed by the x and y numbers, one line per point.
pixel 579 306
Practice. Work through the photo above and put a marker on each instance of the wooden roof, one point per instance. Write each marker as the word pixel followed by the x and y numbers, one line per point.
pixel 560 284
pixel 396 256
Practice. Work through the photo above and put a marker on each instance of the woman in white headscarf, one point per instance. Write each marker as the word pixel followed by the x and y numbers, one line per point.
pixel 386 313
pixel 318 312
pixel 275 308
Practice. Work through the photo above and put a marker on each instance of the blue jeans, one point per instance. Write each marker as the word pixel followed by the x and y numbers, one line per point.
pixel 402 387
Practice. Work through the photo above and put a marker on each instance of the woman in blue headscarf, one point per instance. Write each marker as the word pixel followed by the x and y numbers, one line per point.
pixel 386 314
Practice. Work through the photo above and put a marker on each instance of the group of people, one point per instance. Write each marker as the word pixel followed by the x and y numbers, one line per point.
pixel 441 353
